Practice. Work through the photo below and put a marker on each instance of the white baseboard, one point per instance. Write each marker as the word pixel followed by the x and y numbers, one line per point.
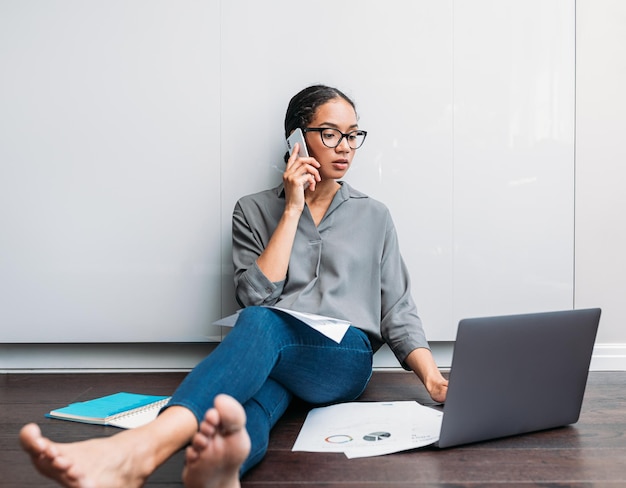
pixel 609 357
pixel 87 358
pixel 101 358
pixel 442 352
pixel 606 357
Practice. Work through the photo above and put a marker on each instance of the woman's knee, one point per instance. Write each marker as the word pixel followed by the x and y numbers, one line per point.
pixel 261 320
pixel 256 315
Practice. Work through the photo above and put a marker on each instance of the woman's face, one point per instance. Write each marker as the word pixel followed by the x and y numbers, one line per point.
pixel 334 114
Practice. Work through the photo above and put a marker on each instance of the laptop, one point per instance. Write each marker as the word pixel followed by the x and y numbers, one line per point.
pixel 517 374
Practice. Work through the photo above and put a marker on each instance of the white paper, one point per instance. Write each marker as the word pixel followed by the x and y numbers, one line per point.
pixel 332 328
pixel 138 417
pixel 228 321
pixel 136 420
pixel 362 429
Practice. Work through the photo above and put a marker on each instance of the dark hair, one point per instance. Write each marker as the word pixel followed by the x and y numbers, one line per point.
pixel 303 105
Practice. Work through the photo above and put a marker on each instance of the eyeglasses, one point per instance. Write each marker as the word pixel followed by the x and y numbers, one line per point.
pixel 333 137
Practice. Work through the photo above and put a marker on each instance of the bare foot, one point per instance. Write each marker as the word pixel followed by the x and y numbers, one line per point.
pixel 219 448
pixel 123 460
pixel 108 461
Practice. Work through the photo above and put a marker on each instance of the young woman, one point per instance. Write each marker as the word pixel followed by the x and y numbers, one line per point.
pixel 313 244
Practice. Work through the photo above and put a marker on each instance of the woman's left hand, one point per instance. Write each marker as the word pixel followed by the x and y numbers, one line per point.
pixel 421 361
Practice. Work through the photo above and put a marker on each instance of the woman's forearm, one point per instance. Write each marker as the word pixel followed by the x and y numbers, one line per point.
pixel 274 260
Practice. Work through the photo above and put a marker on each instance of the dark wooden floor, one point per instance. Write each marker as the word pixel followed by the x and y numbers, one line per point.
pixel 590 453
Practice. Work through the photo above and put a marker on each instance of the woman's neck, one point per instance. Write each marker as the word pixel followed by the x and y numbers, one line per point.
pixel 319 200
pixel 324 190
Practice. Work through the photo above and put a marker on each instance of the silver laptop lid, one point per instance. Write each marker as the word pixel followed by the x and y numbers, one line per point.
pixel 517 374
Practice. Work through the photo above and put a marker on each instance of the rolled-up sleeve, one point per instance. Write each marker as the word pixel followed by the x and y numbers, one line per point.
pixel 400 325
pixel 252 287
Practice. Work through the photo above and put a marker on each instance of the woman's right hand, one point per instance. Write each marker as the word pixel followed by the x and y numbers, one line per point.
pixel 274 260
pixel 300 174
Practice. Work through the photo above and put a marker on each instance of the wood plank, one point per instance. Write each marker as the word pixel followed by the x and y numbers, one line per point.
pixel 460 465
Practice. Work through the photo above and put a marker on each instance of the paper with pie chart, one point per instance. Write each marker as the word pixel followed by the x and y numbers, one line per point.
pixel 362 429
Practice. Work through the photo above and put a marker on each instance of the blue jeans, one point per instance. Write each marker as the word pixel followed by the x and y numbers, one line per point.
pixel 268 358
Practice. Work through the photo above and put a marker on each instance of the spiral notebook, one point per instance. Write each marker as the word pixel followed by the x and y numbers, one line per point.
pixel 123 410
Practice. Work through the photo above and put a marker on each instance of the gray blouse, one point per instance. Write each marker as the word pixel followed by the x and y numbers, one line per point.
pixel 348 267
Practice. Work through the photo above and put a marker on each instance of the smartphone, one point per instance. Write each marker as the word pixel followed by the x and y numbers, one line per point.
pixel 297 136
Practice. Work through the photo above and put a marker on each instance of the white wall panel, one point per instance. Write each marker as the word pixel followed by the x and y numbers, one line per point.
pixel 395 60
pixel 109 146
pixel 601 168
pixel 513 156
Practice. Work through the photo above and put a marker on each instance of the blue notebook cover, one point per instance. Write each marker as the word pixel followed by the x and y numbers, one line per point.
pixel 106 409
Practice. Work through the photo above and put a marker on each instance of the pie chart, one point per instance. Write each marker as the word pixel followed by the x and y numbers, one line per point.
pixel 377 436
